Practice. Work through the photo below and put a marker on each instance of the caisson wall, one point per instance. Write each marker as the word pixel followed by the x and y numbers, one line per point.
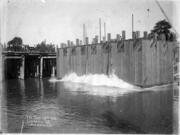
pixel 1 64
pixel 139 61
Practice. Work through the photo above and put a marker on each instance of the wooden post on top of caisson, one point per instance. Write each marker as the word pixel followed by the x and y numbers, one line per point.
pixel 77 42
pixel 123 35
pixel 86 40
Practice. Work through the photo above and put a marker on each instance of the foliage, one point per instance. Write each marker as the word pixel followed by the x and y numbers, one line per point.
pixel 43 47
pixel 15 44
pixel 160 28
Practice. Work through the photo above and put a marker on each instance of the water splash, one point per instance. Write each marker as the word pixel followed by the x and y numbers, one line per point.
pixel 97 84
pixel 96 80
pixel 102 91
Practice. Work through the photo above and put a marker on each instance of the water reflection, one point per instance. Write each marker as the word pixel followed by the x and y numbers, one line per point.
pixel 74 108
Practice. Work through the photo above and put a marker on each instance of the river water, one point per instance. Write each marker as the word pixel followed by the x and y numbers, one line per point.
pixel 40 106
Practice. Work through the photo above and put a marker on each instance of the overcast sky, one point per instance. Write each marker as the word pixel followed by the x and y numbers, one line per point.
pixel 57 21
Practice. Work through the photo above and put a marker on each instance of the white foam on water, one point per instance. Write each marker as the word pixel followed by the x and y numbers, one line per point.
pixel 97 84
pixel 97 80
pixel 96 90
pixel 53 80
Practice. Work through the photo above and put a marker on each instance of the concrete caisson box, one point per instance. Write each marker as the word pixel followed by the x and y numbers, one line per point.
pixel 140 62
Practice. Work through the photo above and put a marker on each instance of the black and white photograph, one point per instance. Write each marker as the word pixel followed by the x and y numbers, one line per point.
pixel 89 66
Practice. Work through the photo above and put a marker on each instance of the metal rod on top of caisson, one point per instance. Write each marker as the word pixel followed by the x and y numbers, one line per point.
pixel 99 30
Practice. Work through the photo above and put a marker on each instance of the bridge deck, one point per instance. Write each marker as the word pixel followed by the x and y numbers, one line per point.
pixel 12 53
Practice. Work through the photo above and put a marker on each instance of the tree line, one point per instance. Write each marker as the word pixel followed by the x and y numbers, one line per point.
pixel 16 44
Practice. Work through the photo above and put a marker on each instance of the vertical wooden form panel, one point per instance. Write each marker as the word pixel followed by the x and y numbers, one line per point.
pixel 88 65
pixel 133 61
pixel 138 64
pixel 123 63
pixel 59 70
pixel 126 65
pixel 77 56
pixel 169 62
pixel 145 62
pixel 171 46
pixel 150 59
pixel 149 63
pixel 86 60
pixel 119 62
pixel 67 60
pixel 60 63
pixel 71 61
pixel 57 63
pixel 115 60
pixel 64 64
pixel 109 59
pixel 98 61
pixel 161 63
pixel 99 54
pixel 92 61
pixel 166 53
pixel 83 61
pixel 105 61
pixel 153 63
pixel 135 64
pixel 127 59
pixel 95 64
pixel 151 49
pixel 1 96
pixel 102 60
pixel 158 68
pixel 1 66
pixel 130 62
pixel 156 62
pixel 78 60
pixel 156 59
pixel 75 61
pixel 121 57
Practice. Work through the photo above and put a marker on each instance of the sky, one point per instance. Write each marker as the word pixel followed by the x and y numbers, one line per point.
pixel 57 21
